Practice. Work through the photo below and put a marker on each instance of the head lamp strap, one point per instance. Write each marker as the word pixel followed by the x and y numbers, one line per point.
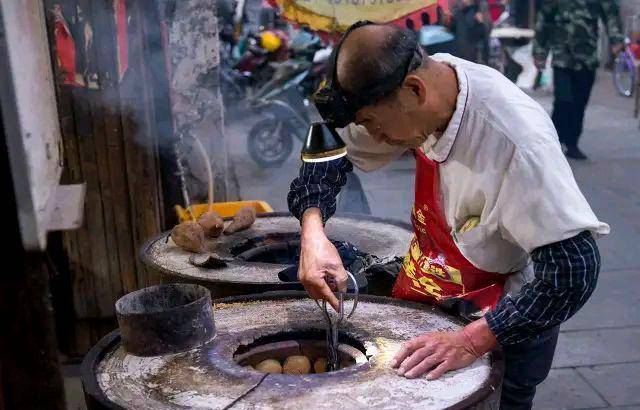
pixel 339 107
pixel 333 76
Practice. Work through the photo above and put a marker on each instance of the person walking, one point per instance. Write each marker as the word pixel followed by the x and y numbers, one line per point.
pixel 470 25
pixel 569 30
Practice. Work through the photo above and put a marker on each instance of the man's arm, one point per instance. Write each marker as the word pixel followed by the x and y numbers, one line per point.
pixel 317 186
pixel 611 20
pixel 544 31
pixel 566 273
pixel 312 199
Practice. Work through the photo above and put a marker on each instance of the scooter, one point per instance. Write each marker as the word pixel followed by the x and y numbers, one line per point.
pixel 247 69
pixel 281 103
pixel 284 104
pixel 239 76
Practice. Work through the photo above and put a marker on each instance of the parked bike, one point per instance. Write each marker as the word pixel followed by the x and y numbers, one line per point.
pixel 281 103
pixel 284 104
pixel 624 71
pixel 248 67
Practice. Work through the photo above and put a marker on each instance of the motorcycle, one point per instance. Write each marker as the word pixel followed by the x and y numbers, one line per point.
pixel 281 103
pixel 238 76
pixel 247 68
pixel 287 112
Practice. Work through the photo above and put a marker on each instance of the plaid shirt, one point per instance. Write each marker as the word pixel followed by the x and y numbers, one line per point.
pixel 566 272
pixel 317 186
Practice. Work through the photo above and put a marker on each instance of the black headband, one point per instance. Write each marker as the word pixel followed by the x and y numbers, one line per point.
pixel 339 107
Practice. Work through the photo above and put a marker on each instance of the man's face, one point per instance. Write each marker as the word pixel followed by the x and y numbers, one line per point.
pixel 393 122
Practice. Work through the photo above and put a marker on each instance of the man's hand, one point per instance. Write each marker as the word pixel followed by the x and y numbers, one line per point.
pixel 320 263
pixel 440 352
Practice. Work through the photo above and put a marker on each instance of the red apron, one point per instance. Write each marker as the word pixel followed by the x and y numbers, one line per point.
pixel 434 271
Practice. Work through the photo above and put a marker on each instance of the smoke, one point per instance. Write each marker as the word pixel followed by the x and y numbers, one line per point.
pixel 156 66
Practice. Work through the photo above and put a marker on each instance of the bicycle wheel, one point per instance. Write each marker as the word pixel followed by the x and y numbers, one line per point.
pixel 624 74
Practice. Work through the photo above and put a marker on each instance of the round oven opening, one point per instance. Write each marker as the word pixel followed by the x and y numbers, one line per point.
pixel 285 253
pixel 284 249
pixel 298 353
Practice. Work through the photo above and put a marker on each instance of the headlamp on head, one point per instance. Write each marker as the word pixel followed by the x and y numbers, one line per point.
pixel 322 144
pixel 338 108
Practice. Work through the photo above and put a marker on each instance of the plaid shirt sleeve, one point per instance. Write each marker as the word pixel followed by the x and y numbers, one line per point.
pixel 566 273
pixel 317 186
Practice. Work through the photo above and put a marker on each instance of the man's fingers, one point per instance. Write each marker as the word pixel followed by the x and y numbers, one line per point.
pixel 342 279
pixel 337 279
pixel 416 357
pixel 405 351
pixel 421 368
pixel 439 371
pixel 313 293
pixel 326 294
pixel 321 291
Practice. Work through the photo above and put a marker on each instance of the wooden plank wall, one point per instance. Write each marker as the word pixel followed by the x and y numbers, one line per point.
pixel 110 135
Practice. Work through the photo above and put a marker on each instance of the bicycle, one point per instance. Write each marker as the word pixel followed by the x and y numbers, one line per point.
pixel 624 71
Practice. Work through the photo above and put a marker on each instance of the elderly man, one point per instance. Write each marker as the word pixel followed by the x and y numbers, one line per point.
pixel 503 234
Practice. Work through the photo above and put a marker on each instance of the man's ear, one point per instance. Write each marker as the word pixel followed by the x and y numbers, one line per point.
pixel 416 88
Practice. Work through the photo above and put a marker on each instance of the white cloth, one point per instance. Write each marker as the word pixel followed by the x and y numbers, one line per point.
pixel 500 159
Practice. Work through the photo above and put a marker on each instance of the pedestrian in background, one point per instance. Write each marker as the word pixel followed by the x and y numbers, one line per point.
pixel 425 18
pixel 569 30
pixel 470 24
pixel 411 26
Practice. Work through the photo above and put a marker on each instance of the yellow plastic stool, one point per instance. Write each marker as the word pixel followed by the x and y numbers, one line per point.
pixel 225 209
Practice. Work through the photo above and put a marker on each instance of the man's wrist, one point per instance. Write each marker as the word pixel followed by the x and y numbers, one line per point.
pixel 480 337
pixel 312 222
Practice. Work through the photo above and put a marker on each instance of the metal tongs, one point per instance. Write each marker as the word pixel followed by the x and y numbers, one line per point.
pixel 333 358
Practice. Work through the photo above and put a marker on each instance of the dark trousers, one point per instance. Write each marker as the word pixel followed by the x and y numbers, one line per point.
pixel 572 89
pixel 527 364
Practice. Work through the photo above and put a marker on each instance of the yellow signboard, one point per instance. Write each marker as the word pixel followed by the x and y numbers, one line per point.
pixel 337 15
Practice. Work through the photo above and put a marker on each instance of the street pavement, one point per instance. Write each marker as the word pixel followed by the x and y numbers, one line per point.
pixel 597 362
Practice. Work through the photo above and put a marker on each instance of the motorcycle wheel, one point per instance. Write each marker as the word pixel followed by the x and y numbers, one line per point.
pixel 270 142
